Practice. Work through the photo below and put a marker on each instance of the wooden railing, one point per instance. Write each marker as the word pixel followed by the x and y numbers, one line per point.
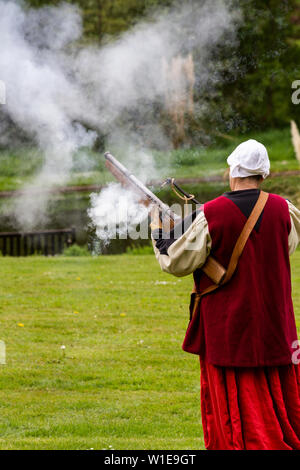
pixel 46 242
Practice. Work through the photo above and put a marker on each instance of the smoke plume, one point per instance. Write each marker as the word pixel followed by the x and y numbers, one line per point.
pixel 58 90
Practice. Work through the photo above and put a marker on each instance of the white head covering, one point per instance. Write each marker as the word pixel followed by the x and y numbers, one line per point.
pixel 248 159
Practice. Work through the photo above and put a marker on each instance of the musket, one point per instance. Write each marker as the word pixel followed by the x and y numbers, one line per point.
pixel 147 197
pixel 181 192
pixel 211 268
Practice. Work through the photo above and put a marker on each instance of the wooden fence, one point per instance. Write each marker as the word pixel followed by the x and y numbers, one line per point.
pixel 46 242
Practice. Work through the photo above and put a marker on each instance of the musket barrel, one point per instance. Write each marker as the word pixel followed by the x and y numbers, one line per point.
pixel 138 185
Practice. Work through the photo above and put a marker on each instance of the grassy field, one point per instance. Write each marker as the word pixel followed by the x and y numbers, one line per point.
pixel 122 381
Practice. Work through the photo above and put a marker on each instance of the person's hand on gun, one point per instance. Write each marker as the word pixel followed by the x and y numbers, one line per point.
pixel 156 222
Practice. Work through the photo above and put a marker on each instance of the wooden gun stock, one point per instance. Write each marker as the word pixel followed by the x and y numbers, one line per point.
pixel 214 270
pixel 211 268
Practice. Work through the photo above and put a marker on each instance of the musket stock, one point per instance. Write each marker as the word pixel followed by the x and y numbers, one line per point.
pixel 214 270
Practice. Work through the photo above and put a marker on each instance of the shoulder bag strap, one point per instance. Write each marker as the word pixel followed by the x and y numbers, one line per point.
pixel 238 248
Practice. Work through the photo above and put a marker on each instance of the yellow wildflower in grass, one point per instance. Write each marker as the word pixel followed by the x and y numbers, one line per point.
pixel 21 324
pixel 75 311
pixel 123 314
pixel 78 278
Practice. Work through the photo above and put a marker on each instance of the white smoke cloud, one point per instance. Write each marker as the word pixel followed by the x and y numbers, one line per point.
pixel 115 212
pixel 39 92
pixel 54 84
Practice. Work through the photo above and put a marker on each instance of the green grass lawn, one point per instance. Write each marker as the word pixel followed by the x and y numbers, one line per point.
pixel 124 381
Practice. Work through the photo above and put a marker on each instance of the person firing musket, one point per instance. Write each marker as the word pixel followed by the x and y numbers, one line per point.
pixel 242 324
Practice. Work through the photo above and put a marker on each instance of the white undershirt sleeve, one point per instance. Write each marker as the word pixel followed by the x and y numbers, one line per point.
pixel 188 252
pixel 294 236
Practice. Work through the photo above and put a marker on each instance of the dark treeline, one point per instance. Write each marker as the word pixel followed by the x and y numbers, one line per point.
pixel 257 86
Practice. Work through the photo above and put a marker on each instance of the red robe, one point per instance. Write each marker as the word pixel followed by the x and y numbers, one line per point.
pixel 253 408
pixel 250 321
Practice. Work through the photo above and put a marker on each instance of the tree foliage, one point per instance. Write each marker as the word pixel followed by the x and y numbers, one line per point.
pixel 269 59
pixel 256 86
pixel 106 17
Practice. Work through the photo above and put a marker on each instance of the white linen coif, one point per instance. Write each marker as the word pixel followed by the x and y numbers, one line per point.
pixel 248 159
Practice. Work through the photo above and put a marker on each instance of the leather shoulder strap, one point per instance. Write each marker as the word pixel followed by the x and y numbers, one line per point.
pixel 239 246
